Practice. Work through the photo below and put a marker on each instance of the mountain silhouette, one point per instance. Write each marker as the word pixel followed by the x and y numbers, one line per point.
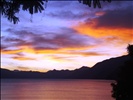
pixel 107 69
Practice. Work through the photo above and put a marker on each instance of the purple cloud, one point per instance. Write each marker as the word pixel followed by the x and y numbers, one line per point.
pixel 65 38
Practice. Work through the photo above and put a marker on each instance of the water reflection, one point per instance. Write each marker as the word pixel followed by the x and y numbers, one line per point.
pixel 56 90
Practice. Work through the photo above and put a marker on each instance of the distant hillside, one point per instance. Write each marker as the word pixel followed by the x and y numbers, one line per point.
pixel 107 69
pixel 20 74
pixel 81 73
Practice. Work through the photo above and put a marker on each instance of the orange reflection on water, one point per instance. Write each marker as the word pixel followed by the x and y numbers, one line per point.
pixel 56 90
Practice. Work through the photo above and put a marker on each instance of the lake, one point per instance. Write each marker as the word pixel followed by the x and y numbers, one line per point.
pixel 22 89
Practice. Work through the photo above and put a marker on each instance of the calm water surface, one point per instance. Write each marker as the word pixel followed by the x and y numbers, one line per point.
pixel 55 90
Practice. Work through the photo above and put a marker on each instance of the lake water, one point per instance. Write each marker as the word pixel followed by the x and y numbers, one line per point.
pixel 55 90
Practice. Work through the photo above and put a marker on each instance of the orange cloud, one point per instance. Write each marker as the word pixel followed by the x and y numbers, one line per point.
pixel 109 25
pixel 124 34
pixel 65 53
pixel 23 58
pixel 100 13
pixel 11 51
pixel 91 54
pixel 23 68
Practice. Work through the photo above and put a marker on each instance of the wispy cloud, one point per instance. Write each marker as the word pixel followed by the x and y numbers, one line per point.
pixel 22 58
pixel 29 41
pixel 68 15
pixel 22 68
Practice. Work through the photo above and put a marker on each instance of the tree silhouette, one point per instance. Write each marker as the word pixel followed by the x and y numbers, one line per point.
pixel 123 87
pixel 96 3
pixel 9 8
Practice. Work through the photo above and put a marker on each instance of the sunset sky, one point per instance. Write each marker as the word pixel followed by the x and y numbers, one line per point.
pixel 66 35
